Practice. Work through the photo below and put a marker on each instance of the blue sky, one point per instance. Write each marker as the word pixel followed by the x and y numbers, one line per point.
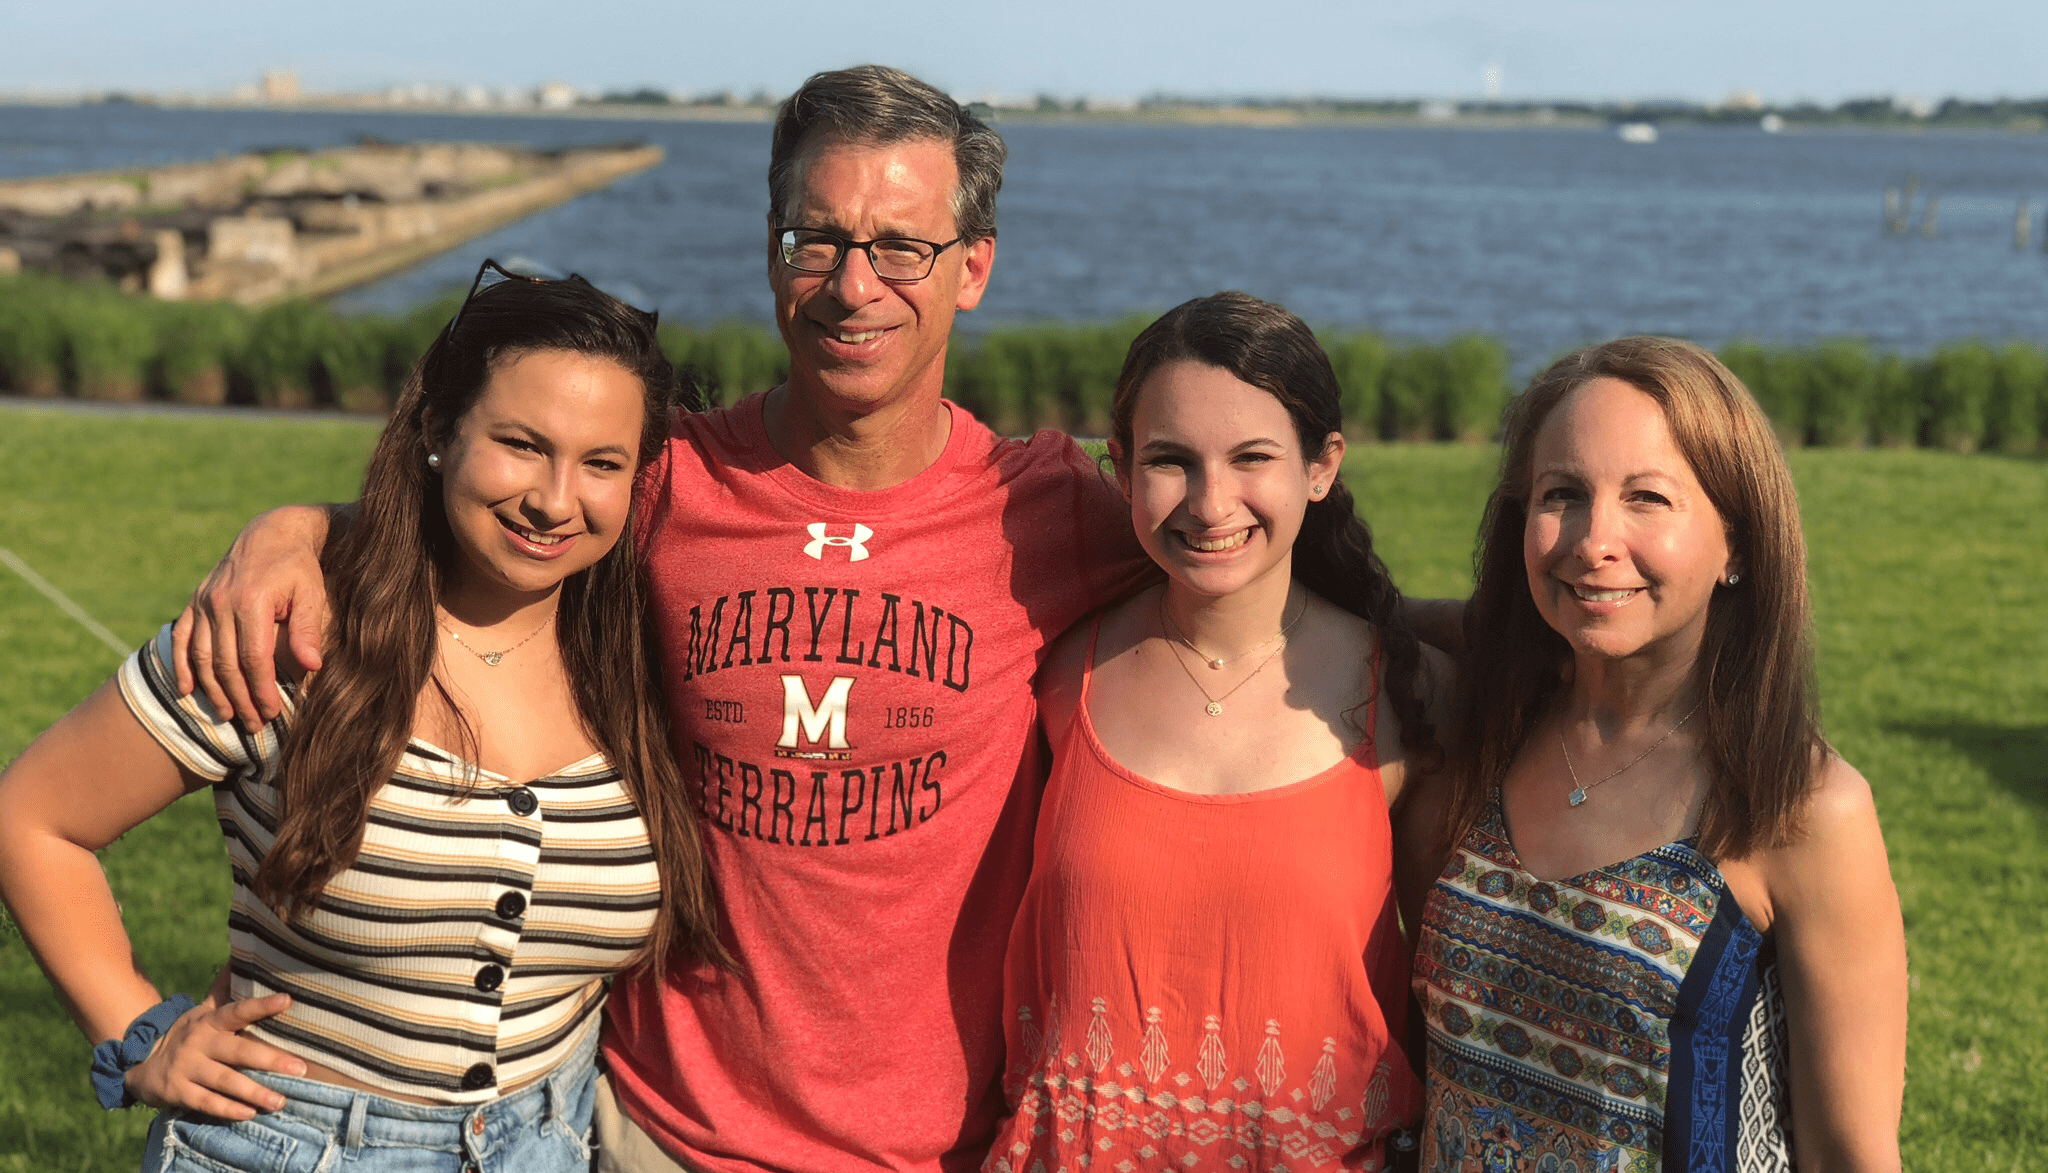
pixel 1823 50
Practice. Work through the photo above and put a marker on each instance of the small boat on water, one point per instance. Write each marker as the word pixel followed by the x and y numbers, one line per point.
pixel 1637 132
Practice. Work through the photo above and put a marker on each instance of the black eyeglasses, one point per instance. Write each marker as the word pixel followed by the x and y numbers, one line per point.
pixel 900 259
pixel 491 273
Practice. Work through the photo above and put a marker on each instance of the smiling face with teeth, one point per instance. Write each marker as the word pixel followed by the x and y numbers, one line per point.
pixel 537 478
pixel 1622 546
pixel 859 344
pixel 1217 479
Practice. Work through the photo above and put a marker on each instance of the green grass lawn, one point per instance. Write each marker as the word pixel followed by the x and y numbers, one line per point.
pixel 1930 576
pixel 125 515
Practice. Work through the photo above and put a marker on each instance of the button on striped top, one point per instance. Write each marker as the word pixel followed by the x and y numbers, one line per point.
pixel 465 950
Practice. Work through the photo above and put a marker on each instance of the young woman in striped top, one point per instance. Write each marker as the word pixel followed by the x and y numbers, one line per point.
pixel 461 825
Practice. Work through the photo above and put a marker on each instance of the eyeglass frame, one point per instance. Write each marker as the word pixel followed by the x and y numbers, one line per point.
pixel 847 245
pixel 491 264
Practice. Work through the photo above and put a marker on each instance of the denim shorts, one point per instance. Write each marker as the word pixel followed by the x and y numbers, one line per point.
pixel 323 1128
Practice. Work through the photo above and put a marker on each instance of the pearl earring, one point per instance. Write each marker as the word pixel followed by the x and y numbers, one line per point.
pixel 433 460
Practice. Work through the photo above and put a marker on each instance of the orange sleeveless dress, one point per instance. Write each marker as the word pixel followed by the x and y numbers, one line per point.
pixel 1205 982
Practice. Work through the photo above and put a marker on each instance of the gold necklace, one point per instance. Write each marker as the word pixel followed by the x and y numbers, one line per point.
pixel 1215 706
pixel 492 658
pixel 1217 662
pixel 1578 794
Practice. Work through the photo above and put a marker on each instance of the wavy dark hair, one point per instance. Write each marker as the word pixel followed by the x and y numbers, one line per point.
pixel 1759 724
pixel 1264 345
pixel 875 105
pixel 385 573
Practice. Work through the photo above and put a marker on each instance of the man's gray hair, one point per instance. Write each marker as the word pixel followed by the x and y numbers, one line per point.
pixel 874 105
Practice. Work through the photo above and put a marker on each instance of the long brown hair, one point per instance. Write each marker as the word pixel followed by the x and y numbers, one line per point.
pixel 1759 724
pixel 1269 348
pixel 385 572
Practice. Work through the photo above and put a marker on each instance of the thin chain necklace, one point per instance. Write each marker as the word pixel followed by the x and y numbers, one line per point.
pixel 1215 706
pixel 1578 794
pixel 1217 662
pixel 492 658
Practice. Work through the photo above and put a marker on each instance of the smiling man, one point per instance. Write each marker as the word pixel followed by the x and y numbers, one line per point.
pixel 869 262
pixel 854 581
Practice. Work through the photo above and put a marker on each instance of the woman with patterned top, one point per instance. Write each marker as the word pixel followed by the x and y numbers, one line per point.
pixel 461 825
pixel 1208 971
pixel 1730 994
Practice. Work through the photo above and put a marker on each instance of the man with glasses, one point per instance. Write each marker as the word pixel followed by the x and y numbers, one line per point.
pixel 853 582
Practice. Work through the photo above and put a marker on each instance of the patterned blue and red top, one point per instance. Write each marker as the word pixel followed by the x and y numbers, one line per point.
pixel 1629 1019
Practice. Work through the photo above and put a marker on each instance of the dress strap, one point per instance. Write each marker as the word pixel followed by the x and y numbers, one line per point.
pixel 1088 664
pixel 1367 750
pixel 1372 717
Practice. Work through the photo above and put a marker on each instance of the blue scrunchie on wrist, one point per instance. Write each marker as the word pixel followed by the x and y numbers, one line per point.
pixel 112 1059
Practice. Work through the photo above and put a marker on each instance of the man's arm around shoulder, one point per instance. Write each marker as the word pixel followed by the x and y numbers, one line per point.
pixel 225 641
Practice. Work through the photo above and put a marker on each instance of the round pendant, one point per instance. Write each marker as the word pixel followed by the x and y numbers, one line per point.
pixel 493 658
pixel 1218 664
pixel 1214 709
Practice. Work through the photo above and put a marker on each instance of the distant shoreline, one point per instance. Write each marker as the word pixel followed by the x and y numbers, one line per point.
pixel 1225 117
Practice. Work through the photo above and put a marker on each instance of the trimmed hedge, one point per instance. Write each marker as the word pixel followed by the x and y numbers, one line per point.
pixel 1966 396
pixel 93 342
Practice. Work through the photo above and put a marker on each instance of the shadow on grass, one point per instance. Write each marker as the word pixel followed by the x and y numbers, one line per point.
pixel 2034 458
pixel 2016 757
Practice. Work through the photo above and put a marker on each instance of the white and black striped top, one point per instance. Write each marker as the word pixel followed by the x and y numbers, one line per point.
pixel 466 948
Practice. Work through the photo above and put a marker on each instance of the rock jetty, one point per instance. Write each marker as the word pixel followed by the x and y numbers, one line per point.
pixel 256 228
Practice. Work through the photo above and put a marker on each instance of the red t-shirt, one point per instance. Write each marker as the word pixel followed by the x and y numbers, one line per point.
pixel 850 675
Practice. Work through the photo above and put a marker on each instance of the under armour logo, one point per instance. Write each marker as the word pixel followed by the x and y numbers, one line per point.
pixel 857 545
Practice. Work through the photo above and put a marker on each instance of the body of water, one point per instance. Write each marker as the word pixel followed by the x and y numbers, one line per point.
pixel 1547 238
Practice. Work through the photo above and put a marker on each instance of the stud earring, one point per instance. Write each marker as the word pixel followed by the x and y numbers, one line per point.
pixel 1733 579
pixel 433 460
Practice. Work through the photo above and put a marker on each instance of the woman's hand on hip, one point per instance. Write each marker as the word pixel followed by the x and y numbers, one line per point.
pixel 196 1066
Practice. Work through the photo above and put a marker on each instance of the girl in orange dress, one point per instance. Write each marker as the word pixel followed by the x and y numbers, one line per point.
pixel 1208 970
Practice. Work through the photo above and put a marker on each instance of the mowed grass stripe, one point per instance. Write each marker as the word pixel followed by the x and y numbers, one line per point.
pixel 124 515
pixel 1930 576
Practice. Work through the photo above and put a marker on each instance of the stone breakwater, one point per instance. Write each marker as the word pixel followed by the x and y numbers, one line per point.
pixel 257 228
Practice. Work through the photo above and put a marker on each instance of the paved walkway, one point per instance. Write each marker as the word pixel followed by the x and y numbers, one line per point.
pixel 180 410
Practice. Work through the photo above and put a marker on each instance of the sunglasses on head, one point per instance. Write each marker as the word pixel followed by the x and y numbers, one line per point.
pixel 491 273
